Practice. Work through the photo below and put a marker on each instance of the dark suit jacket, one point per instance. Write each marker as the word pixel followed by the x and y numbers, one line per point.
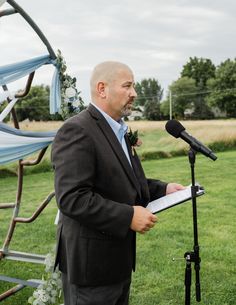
pixel 95 190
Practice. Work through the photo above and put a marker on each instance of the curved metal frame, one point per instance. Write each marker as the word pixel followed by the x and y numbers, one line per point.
pixel 5 252
pixel 34 26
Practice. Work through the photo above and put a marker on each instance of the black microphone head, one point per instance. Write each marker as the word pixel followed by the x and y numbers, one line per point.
pixel 174 128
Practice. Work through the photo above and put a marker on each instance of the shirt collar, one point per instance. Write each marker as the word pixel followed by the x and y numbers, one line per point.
pixel 119 128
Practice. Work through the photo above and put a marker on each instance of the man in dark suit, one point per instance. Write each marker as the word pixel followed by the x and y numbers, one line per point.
pixel 101 191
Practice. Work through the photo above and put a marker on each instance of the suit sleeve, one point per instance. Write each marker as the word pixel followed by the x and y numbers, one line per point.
pixel 74 162
pixel 157 188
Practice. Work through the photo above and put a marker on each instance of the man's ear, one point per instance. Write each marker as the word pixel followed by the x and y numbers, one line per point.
pixel 101 89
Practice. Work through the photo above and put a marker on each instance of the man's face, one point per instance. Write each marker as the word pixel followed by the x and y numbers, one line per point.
pixel 121 95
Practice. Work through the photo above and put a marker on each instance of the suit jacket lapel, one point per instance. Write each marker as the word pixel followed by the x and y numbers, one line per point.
pixel 115 145
pixel 139 173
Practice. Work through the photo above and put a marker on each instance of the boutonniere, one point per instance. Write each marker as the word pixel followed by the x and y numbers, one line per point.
pixel 134 140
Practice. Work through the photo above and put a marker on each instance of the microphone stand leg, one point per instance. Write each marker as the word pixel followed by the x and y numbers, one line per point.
pixel 188 278
pixel 197 273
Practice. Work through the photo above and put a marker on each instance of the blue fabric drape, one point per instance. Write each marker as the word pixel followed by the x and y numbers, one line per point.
pixel 16 144
pixel 12 72
pixel 55 93
pixel 32 134
pixel 16 153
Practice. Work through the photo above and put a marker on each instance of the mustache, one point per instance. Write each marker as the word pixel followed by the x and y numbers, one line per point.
pixel 129 105
pixel 130 100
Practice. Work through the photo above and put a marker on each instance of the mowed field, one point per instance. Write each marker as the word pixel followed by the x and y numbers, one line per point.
pixel 154 136
pixel 212 128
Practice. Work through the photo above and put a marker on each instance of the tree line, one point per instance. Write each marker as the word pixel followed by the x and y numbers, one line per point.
pixel 201 89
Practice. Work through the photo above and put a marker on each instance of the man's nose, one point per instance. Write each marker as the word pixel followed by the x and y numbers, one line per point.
pixel 133 93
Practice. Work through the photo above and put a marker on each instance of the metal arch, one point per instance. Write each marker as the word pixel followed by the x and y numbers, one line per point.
pixel 7 12
pixel 5 252
pixel 30 21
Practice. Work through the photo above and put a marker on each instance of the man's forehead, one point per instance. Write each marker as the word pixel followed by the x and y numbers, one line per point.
pixel 125 76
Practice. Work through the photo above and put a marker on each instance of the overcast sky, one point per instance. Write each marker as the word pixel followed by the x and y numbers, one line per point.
pixel 154 37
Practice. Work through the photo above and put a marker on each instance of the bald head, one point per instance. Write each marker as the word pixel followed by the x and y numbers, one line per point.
pixel 106 72
pixel 112 89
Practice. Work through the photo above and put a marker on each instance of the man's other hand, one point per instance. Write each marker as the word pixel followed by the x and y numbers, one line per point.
pixel 174 187
pixel 143 220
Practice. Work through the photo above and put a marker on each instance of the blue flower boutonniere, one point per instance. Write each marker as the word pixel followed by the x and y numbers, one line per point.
pixel 134 140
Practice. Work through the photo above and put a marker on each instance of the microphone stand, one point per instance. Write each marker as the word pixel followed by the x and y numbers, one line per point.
pixel 193 256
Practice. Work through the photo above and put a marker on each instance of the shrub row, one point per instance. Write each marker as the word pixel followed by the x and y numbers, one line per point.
pixel 218 146
pixel 45 165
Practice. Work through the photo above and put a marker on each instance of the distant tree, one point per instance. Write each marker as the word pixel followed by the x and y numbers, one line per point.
pixel 201 108
pixel 149 93
pixel 141 98
pixel 147 90
pixel 183 96
pixel 35 106
pixel 199 69
pixel 2 107
pixel 165 109
pixel 152 111
pixel 223 88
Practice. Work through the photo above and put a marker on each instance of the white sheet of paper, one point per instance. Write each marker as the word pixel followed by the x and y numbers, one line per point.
pixel 171 200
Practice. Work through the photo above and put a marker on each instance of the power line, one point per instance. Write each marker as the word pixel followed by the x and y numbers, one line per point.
pixel 192 93
pixel 205 92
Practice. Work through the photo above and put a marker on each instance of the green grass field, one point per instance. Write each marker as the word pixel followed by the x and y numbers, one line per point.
pixel 158 280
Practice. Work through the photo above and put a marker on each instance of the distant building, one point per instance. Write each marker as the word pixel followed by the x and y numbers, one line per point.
pixel 218 113
pixel 188 113
pixel 137 114
pixel 215 110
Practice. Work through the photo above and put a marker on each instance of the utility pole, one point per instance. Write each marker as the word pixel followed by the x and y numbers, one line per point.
pixel 170 100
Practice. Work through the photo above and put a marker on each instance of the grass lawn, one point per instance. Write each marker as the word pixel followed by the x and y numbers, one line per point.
pixel 158 280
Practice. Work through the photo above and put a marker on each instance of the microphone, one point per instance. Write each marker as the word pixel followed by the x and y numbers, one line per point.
pixel 176 129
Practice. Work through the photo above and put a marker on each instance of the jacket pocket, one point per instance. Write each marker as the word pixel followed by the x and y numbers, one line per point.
pixel 86 232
